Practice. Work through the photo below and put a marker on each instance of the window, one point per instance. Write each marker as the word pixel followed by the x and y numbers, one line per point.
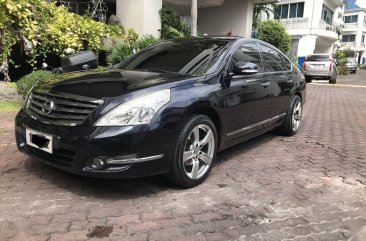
pixel 286 63
pixel 249 53
pixel 191 58
pixel 327 15
pixel 363 39
pixel 351 19
pixel 271 59
pixel 293 10
pixel 349 38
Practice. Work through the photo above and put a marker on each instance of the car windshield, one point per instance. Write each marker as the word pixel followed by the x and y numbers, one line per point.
pixel 319 57
pixel 191 57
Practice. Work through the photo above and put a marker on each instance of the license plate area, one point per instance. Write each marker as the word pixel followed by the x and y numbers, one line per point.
pixel 39 140
pixel 317 65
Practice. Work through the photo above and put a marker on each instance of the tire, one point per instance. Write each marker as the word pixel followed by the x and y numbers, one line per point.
pixel 190 170
pixel 332 81
pixel 308 79
pixel 292 123
pixel 355 71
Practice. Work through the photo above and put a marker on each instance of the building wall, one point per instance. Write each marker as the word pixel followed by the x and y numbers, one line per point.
pixel 141 15
pixel 235 15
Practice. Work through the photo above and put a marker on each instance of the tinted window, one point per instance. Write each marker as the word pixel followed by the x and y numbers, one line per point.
pixel 248 53
pixel 184 57
pixel 286 63
pixel 349 38
pixel 271 59
pixel 293 10
pixel 316 57
pixel 351 19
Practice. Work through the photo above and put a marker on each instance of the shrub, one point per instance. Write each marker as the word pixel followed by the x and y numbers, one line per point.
pixel 25 84
pixel 274 33
pixel 171 24
pixel 122 50
pixel 44 28
pixel 118 53
pixel 146 41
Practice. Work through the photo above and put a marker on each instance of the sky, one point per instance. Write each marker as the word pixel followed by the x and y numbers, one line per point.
pixel 361 3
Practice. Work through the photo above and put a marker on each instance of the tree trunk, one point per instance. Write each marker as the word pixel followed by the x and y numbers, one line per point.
pixel 194 18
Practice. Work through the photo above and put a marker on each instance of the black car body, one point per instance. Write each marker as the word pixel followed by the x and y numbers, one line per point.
pixel 242 87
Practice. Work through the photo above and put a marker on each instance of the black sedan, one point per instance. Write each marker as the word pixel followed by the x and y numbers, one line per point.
pixel 166 110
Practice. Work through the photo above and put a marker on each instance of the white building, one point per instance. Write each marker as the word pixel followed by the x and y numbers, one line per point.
pixel 312 25
pixel 354 31
pixel 215 17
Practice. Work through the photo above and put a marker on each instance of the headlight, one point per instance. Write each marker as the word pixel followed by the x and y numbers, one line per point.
pixel 137 111
pixel 28 99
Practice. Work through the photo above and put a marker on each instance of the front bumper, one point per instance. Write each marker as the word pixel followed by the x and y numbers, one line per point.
pixel 132 151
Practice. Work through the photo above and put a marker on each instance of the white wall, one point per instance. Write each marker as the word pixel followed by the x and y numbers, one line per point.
pixel 235 15
pixel 141 15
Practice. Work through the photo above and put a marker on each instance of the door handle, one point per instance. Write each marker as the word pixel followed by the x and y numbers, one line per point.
pixel 266 84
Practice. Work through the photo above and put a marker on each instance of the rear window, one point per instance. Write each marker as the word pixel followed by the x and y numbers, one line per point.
pixel 319 57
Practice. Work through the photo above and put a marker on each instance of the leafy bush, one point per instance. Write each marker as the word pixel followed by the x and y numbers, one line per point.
pixel 274 33
pixel 171 24
pixel 122 50
pixel 341 57
pixel 45 28
pixel 25 84
pixel 119 52
pixel 145 41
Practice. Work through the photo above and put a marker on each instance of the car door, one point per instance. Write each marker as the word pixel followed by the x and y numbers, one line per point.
pixel 246 99
pixel 279 72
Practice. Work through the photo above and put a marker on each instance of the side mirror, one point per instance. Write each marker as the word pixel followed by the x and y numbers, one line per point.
pixel 245 68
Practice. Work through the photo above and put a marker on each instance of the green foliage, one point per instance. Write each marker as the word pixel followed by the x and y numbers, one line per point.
pixel 171 26
pixel 341 57
pixel 47 29
pixel 274 33
pixel 9 106
pixel 131 36
pixel 122 50
pixel 25 84
pixel 267 8
pixel 119 52
pixel 145 41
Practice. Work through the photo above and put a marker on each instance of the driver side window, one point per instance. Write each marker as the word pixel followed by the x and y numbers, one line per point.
pixel 248 52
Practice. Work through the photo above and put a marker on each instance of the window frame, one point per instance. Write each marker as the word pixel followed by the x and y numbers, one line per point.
pixel 351 18
pixel 348 38
pixel 280 8
pixel 328 11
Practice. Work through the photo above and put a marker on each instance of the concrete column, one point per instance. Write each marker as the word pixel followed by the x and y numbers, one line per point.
pixel 141 15
pixel 307 45
pixel 234 15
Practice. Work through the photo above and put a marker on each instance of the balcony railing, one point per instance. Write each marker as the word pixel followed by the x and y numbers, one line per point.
pixel 348 44
pixel 295 23
pixel 326 26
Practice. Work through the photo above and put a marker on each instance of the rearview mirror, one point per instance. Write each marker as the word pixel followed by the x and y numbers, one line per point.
pixel 245 68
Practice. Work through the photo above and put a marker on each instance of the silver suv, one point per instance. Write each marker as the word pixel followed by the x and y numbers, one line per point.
pixel 320 66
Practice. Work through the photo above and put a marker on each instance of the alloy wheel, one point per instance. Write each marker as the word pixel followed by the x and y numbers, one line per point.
pixel 296 116
pixel 198 151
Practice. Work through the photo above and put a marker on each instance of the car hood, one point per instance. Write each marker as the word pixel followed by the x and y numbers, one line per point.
pixel 111 83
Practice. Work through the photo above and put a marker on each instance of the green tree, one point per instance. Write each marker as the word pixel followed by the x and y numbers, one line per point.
pixel 274 33
pixel 171 26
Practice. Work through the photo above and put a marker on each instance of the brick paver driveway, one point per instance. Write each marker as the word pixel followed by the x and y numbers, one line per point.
pixel 307 187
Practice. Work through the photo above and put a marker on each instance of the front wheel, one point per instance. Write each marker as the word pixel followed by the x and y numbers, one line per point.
pixel 293 118
pixel 194 152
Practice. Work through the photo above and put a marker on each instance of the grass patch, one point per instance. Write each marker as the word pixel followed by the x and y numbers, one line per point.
pixel 11 85
pixel 10 106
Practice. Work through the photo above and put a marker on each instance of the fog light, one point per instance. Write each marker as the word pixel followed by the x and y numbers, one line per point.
pixel 97 163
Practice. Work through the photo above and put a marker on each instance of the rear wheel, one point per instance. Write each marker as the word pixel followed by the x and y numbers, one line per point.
pixel 293 118
pixel 194 152
pixel 308 79
pixel 333 81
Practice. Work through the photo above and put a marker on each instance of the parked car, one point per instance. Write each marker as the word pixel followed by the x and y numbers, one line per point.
pixel 320 67
pixel 167 109
pixel 351 65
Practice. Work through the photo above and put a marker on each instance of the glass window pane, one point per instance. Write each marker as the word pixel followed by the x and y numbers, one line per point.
pixel 352 38
pixel 249 53
pixel 293 10
pixel 272 59
pixel 284 12
pixel 300 10
pixel 277 12
pixel 345 38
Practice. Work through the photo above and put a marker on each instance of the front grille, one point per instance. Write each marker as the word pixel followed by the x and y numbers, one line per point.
pixel 67 111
